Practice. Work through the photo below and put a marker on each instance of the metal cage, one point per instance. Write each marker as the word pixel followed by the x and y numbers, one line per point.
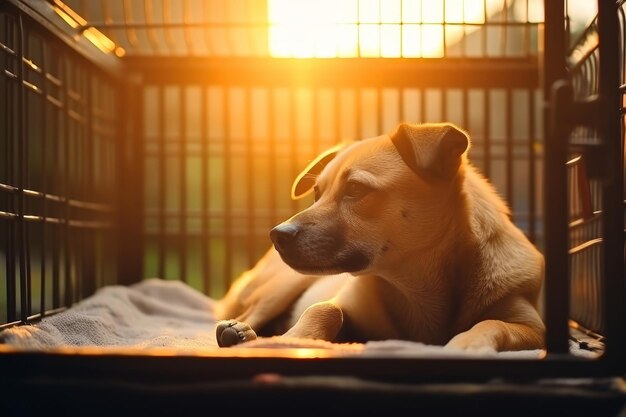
pixel 169 150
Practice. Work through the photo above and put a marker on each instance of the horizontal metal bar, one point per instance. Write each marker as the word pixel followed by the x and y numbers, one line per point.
pixel 133 364
pixel 88 205
pixel 81 224
pixel 597 216
pixel 54 80
pixel 33 318
pixel 586 245
pixel 5 215
pixel 6 49
pixel 52 197
pixel 10 75
pixel 54 101
pixel 341 72
pixel 265 24
pixel 31 65
pixel 575 325
pixel 42 12
pixel 74 95
pixel 32 87
pixel 8 188
pixel 76 116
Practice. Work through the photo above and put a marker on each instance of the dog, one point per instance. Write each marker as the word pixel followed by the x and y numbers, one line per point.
pixel 405 240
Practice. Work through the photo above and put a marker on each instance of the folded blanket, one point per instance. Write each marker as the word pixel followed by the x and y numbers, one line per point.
pixel 156 313
pixel 152 313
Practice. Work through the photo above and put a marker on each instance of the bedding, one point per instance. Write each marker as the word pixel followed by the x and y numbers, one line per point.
pixel 155 313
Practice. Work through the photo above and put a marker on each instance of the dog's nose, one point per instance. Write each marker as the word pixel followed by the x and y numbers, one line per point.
pixel 283 234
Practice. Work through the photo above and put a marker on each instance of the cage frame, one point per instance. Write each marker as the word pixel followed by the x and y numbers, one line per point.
pixel 131 365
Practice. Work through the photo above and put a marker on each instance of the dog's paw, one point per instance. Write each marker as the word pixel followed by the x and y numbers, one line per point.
pixel 472 342
pixel 233 332
pixel 477 348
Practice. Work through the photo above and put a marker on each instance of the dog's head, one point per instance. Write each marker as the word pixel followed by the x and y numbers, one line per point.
pixel 377 201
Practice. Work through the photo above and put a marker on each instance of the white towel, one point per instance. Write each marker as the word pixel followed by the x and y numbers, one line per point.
pixel 157 313
pixel 152 313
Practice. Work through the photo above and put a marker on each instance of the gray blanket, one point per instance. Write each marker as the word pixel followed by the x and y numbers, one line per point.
pixel 169 314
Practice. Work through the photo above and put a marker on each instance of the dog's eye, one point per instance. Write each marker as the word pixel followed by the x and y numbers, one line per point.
pixel 356 190
pixel 317 193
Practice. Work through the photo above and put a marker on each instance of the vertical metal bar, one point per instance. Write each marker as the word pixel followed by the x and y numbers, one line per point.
pixel 444 105
pixel 44 179
pixel 527 26
pixel 21 173
pixel 227 215
pixel 293 140
pixel 613 186
pixel 88 258
pixel 250 186
pixel 60 133
pixel 487 130
pixel 486 32
pixel 401 28
pixel 464 29
pixel 336 114
pixel 532 175
pixel 205 192
pixel 148 10
pixel 465 108
pixel 401 112
pixel 444 26
pixel 79 233
pixel 273 177
pixel 131 34
pixel 422 116
pixel 76 233
pixel 11 104
pixel 358 102
pixel 358 29
pixel 130 150
pixel 67 192
pixel 187 35
pixel 167 18
pixel 182 235
pixel 555 191
pixel 28 98
pixel 504 28
pixel 509 147
pixel 69 188
pixel 315 140
pixel 381 111
pixel 161 212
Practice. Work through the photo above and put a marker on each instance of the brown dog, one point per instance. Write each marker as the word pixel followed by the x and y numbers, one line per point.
pixel 423 245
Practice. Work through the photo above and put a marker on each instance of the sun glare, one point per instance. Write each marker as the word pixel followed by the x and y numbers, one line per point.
pixel 377 28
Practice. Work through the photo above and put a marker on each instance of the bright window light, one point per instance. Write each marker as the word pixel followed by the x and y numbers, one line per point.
pixel 372 28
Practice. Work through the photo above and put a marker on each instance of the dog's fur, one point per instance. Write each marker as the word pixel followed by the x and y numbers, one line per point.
pixel 422 246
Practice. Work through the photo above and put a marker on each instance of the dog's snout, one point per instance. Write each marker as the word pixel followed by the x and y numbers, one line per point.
pixel 283 234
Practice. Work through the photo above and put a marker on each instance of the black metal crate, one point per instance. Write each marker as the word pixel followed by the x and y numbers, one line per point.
pixel 58 180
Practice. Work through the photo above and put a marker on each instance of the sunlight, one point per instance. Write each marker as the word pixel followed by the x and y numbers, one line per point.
pixel 374 28
pixel 93 35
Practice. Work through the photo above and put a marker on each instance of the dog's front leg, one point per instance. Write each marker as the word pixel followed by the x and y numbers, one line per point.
pixel 512 324
pixel 320 321
pixel 497 335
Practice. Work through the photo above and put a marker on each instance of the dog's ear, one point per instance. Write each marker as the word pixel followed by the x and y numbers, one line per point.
pixel 432 151
pixel 305 181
